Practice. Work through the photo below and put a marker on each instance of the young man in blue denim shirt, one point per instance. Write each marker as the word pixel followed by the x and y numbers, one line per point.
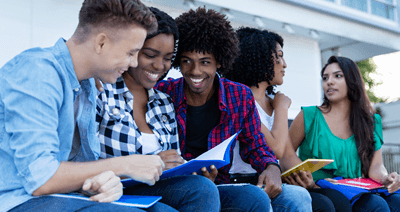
pixel 47 114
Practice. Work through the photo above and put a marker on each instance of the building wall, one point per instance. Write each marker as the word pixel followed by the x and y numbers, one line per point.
pixel 32 23
pixel 39 23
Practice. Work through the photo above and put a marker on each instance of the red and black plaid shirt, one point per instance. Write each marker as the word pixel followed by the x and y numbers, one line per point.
pixel 238 112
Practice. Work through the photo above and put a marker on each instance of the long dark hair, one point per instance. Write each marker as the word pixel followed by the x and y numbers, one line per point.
pixel 361 114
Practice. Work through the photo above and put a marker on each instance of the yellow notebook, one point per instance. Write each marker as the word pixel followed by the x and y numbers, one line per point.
pixel 311 165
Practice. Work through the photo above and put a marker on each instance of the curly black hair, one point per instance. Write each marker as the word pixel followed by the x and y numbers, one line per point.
pixel 257 57
pixel 207 31
pixel 166 25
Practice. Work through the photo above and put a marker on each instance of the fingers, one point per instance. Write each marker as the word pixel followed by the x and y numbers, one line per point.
pixel 99 85
pixel 299 178
pixel 214 171
pixel 171 159
pixel 111 191
pixel 105 187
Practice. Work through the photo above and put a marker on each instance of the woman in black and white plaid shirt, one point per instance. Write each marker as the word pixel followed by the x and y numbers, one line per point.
pixel 133 118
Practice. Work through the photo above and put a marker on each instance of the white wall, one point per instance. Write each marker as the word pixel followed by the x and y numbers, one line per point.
pixel 35 23
pixel 32 23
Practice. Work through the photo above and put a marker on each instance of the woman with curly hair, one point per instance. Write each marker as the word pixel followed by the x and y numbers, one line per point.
pixel 210 109
pixel 136 119
pixel 344 128
pixel 261 66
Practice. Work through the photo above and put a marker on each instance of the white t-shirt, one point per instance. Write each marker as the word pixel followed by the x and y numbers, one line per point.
pixel 238 165
pixel 150 144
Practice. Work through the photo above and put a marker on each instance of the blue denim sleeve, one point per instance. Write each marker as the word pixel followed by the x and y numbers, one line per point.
pixel 32 95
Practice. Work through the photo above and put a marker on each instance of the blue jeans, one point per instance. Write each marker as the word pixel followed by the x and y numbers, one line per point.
pixel 184 193
pixel 243 198
pixel 50 204
pixel 375 202
pixel 292 198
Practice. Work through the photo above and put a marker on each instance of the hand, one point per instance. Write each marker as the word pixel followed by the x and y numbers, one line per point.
pixel 99 85
pixel 212 175
pixel 105 187
pixel 171 159
pixel 271 178
pixel 303 179
pixel 391 182
pixel 143 168
pixel 280 100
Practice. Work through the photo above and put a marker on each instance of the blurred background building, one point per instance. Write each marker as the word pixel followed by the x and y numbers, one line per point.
pixel 313 30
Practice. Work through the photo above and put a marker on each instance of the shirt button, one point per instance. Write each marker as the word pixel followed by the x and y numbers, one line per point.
pixel 115 111
pixel 76 89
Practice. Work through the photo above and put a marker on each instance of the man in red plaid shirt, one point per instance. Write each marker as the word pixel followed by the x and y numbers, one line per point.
pixel 209 109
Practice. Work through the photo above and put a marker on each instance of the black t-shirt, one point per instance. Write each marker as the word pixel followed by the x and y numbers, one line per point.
pixel 200 121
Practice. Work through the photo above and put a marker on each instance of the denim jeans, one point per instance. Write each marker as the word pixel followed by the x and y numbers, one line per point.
pixel 375 202
pixel 50 204
pixel 243 198
pixel 292 198
pixel 184 193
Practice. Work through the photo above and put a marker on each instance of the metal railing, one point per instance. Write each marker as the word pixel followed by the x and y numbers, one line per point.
pixel 391 157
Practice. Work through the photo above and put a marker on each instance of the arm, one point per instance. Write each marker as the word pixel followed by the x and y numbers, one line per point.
pixel 32 102
pixel 290 159
pixel 296 137
pixel 70 176
pixel 278 136
pixel 378 172
pixel 255 151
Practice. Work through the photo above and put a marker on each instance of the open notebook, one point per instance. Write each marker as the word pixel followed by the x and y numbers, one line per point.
pixel 127 200
pixel 218 156
pixel 311 165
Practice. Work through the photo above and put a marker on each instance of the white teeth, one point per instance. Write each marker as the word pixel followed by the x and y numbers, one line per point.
pixel 196 80
pixel 152 76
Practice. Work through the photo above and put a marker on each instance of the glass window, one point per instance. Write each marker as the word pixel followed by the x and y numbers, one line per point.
pixel 383 10
pixel 356 4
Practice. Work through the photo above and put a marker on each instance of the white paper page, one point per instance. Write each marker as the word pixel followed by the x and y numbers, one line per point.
pixel 216 153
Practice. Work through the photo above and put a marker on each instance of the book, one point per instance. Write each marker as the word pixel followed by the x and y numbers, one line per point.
pixel 311 165
pixel 365 183
pixel 126 200
pixel 353 193
pixel 218 156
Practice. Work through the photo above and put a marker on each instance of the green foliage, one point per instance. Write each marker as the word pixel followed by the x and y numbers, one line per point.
pixel 367 67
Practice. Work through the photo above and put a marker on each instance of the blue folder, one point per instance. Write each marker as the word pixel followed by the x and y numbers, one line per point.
pixel 352 193
pixel 127 200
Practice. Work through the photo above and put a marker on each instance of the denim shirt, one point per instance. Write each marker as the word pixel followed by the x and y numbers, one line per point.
pixel 37 92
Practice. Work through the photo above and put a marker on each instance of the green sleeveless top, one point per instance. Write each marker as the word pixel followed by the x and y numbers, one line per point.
pixel 321 143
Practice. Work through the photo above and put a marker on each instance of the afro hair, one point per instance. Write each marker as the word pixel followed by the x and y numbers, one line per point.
pixel 257 57
pixel 207 31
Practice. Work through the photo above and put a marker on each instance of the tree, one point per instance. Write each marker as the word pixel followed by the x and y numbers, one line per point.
pixel 367 67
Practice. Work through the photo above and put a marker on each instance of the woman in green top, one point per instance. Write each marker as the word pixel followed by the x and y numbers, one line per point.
pixel 343 128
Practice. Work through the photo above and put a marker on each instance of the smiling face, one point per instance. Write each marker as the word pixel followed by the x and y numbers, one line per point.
pixel 199 70
pixel 153 61
pixel 334 83
pixel 118 52
pixel 279 67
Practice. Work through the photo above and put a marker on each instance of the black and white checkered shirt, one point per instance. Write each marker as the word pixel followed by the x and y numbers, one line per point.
pixel 117 130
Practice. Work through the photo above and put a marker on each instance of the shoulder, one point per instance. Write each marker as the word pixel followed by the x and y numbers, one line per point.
pixel 163 97
pixel 235 88
pixel 168 84
pixel 378 119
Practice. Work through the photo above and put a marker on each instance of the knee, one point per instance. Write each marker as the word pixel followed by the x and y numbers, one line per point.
pixel 200 185
pixel 293 197
pixel 236 197
pixel 371 202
